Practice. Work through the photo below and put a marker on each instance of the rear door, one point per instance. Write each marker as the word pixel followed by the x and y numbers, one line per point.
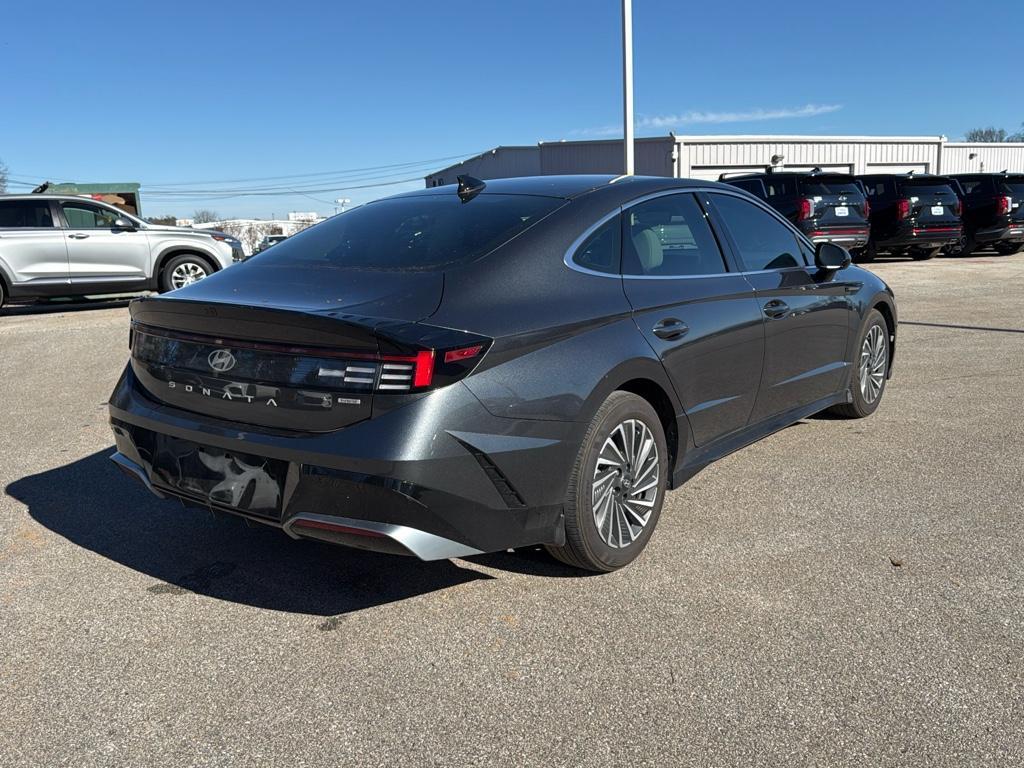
pixel 806 312
pixel 32 249
pixel 97 252
pixel 837 202
pixel 697 314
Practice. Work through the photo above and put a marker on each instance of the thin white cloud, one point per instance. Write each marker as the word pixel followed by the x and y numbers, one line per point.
pixel 713 118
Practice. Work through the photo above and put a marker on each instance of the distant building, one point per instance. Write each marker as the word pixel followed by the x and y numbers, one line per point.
pixel 252 231
pixel 706 157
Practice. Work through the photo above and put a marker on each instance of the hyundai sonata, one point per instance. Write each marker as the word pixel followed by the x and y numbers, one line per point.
pixel 498 364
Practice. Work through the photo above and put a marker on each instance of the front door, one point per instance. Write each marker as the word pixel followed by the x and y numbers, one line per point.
pixel 100 253
pixel 807 312
pixel 701 318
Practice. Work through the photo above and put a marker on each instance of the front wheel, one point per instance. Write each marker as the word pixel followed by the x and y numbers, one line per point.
pixel 923 254
pixel 182 271
pixel 871 367
pixel 617 486
pixel 867 254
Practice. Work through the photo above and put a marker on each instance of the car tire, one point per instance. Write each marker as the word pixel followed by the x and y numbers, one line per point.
pixel 1004 248
pixel 183 270
pixel 870 370
pixel 3 295
pixel 924 254
pixel 867 254
pixel 606 527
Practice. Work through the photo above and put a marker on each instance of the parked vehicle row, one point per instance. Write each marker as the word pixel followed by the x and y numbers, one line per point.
pixel 916 215
pixel 67 245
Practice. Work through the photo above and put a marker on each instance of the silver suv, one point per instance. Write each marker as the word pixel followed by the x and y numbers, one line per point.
pixel 63 245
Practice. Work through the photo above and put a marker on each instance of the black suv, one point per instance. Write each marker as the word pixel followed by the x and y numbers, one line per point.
pixel 827 207
pixel 992 212
pixel 915 214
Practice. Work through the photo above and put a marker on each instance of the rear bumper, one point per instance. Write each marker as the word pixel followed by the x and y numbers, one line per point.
pixel 409 481
pixel 1012 234
pixel 923 237
pixel 847 237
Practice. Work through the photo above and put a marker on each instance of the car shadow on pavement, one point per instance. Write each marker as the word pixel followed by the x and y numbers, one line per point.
pixel 92 504
pixel 56 307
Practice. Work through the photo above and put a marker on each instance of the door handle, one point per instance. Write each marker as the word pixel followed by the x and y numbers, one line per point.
pixel 77 236
pixel 776 308
pixel 670 328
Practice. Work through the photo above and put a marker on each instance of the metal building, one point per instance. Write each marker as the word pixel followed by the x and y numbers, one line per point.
pixel 705 157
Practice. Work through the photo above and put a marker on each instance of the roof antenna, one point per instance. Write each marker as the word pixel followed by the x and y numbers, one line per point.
pixel 41 188
pixel 469 188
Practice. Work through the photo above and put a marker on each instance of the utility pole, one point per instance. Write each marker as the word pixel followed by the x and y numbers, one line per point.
pixel 627 85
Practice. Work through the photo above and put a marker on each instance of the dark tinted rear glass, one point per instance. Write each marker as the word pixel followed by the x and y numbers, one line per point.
pixel 25 214
pixel 833 186
pixel 917 189
pixel 1013 187
pixel 414 233
pixel 780 186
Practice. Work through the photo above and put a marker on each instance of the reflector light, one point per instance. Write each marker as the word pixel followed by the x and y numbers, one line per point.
pixel 902 209
pixel 454 355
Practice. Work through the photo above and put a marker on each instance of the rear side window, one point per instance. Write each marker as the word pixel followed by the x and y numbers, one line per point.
pixel 601 251
pixel 781 186
pixel 669 237
pixel 826 186
pixel 85 216
pixel 420 232
pixel 877 188
pixel 763 241
pixel 753 186
pixel 972 186
pixel 25 214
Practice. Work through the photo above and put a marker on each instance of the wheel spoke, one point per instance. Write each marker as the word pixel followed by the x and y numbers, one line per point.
pixel 626 483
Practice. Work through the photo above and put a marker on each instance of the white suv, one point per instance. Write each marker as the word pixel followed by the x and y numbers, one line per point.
pixel 63 245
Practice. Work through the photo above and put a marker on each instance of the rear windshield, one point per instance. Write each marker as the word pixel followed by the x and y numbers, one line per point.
pixel 932 188
pixel 414 233
pixel 1013 187
pixel 825 186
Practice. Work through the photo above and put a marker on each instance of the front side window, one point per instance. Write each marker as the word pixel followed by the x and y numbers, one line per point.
pixel 600 252
pixel 86 216
pixel 25 214
pixel 763 241
pixel 419 232
pixel 669 237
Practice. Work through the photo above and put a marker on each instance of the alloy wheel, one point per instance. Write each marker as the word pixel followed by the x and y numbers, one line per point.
pixel 186 273
pixel 873 359
pixel 625 484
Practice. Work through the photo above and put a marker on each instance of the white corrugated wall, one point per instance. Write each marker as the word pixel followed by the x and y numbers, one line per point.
pixel 956 157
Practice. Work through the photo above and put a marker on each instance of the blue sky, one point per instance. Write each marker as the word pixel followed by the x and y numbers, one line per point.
pixel 202 94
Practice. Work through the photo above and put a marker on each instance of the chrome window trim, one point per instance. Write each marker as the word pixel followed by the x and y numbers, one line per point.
pixel 567 259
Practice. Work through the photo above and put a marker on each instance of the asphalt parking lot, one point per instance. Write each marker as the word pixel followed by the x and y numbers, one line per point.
pixel 842 593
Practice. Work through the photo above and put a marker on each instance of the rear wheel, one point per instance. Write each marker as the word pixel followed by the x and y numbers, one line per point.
pixel 617 486
pixel 183 270
pixel 867 254
pixel 923 254
pixel 870 369
pixel 1005 248
pixel 3 296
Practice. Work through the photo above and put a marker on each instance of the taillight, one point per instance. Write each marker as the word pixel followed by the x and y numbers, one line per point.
pixel 1003 205
pixel 423 373
pixel 806 209
pixel 958 206
pixel 902 209
pixel 867 209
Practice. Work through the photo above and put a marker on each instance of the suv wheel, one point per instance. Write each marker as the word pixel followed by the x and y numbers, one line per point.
pixel 3 297
pixel 183 270
pixel 867 254
pixel 870 367
pixel 923 254
pixel 1004 248
pixel 617 487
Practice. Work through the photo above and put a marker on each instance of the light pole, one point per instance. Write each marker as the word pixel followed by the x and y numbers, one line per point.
pixel 342 201
pixel 627 85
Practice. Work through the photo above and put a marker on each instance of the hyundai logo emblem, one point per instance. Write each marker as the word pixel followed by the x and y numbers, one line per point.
pixel 221 360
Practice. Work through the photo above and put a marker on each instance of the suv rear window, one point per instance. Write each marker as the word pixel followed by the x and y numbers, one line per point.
pixel 1013 186
pixel 422 232
pixel 25 214
pixel 827 186
pixel 927 188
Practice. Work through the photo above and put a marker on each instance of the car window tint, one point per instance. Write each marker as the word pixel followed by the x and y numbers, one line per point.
pixel 669 237
pixel 875 188
pixel 601 251
pixel 25 214
pixel 753 186
pixel 419 232
pixel 781 186
pixel 85 216
pixel 763 241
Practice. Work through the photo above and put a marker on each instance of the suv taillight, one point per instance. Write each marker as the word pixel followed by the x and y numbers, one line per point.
pixel 958 207
pixel 1003 203
pixel 902 209
pixel 867 208
pixel 806 209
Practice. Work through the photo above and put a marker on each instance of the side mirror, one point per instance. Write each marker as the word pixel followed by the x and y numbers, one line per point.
pixel 124 224
pixel 831 256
